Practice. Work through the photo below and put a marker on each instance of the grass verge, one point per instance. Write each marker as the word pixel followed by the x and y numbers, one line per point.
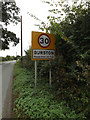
pixel 38 103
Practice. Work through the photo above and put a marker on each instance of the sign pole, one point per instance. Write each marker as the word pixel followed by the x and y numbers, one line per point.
pixel 50 77
pixel 35 73
pixel 21 41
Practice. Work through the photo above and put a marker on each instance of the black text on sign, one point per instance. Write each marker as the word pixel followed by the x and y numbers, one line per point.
pixel 44 40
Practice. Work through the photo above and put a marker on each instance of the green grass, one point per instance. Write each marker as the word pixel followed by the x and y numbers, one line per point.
pixel 36 103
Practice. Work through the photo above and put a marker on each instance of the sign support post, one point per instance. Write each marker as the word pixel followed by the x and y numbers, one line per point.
pixel 21 41
pixel 50 77
pixel 35 73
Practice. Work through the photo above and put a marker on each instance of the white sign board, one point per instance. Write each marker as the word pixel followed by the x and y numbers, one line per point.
pixel 37 54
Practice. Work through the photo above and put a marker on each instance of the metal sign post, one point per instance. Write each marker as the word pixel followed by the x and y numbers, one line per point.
pixel 50 78
pixel 35 73
pixel 50 73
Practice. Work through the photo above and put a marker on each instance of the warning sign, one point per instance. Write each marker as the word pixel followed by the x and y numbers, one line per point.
pixel 42 46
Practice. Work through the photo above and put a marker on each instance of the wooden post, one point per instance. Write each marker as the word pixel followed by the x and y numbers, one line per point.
pixel 16 56
pixel 21 40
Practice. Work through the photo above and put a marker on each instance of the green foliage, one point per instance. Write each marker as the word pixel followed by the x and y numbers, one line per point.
pixel 69 95
pixel 70 68
pixel 9 58
pixel 27 63
pixel 37 103
pixel 8 36
pixel 10 14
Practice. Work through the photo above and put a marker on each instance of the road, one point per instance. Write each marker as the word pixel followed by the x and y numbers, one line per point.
pixel 7 75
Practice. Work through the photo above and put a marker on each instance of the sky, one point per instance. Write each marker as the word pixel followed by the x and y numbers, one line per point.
pixel 40 10
pixel 35 7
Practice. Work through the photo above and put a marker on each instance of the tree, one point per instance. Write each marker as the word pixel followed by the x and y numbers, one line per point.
pixel 10 14
pixel 71 67
pixel 79 20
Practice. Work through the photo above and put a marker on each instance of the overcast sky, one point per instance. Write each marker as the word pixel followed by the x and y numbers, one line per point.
pixel 35 7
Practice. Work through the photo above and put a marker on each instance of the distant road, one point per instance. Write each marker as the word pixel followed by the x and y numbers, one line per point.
pixel 7 75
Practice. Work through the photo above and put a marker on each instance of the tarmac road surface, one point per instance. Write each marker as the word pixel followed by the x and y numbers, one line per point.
pixel 7 75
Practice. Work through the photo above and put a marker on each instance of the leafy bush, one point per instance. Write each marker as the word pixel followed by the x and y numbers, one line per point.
pixel 37 103
pixel 70 68
pixel 66 85
pixel 27 63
